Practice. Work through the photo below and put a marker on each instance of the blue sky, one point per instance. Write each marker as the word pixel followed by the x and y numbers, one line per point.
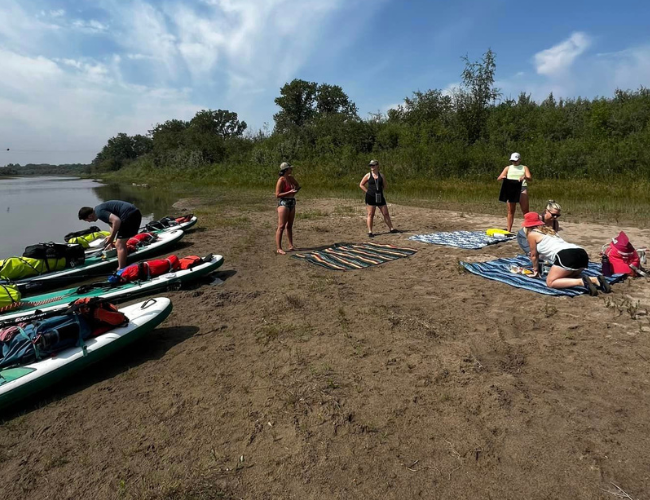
pixel 75 73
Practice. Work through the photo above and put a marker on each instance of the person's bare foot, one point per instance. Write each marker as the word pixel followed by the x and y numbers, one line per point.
pixel 279 251
pixel 291 249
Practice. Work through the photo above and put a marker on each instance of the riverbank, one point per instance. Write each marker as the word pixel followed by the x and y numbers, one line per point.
pixel 410 379
pixel 620 201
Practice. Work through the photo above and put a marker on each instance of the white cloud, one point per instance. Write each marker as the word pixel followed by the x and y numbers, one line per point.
pixel 164 60
pixel 91 104
pixel 91 25
pixel 560 57
pixel 451 89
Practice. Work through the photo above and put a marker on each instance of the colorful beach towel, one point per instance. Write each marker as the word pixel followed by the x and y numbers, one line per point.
pixel 347 256
pixel 470 240
pixel 499 270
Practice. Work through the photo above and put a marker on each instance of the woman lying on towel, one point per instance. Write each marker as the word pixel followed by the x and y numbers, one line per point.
pixel 568 260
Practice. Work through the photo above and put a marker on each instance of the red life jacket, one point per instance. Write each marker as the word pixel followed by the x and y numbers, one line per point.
pixel 139 240
pixel 102 316
pixel 149 269
pixel 185 218
pixel 189 262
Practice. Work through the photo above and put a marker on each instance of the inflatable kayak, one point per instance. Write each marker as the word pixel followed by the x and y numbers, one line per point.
pixel 152 227
pixel 96 264
pixel 18 382
pixel 116 293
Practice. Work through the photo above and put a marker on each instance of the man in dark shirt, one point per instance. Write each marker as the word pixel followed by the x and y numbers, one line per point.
pixel 124 220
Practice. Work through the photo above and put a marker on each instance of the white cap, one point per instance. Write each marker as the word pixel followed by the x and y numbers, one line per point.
pixel 515 157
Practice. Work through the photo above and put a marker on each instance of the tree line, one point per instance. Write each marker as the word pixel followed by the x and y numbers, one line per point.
pixel 468 132
pixel 44 169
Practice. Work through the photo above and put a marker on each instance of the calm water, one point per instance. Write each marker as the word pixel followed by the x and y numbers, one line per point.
pixel 36 209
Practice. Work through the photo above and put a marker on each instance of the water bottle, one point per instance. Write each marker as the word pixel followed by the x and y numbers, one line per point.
pixel 606 265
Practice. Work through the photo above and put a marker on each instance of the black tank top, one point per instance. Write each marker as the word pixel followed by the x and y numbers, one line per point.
pixel 375 185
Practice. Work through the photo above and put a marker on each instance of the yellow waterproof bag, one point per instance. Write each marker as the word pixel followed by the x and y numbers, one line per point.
pixel 16 268
pixel 85 240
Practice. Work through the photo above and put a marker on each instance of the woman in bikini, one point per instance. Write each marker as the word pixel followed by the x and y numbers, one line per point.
pixel 373 184
pixel 513 174
pixel 568 260
pixel 285 191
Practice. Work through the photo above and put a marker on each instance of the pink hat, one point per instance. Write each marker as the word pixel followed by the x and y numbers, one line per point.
pixel 622 243
pixel 531 219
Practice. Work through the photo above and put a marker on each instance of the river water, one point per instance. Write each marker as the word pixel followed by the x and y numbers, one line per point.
pixel 40 209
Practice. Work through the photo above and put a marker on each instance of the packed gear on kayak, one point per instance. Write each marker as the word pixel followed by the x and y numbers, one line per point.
pixel 74 255
pixel 143 271
pixel 139 240
pixel 193 260
pixel 16 268
pixel 86 239
pixel 27 342
pixel 167 222
pixel 83 232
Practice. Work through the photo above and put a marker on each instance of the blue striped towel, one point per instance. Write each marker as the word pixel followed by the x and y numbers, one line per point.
pixel 499 270
pixel 470 240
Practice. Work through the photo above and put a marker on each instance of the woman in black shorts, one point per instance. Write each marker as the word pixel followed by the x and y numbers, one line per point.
pixel 285 191
pixel 567 260
pixel 373 184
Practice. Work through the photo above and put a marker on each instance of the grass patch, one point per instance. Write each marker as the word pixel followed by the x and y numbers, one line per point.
pixel 617 201
pixel 311 214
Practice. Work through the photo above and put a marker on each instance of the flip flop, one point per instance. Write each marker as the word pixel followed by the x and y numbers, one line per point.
pixel 604 284
pixel 591 288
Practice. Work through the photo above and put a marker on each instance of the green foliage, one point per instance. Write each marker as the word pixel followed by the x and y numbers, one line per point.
pixel 467 134
pixel 44 169
pixel 121 149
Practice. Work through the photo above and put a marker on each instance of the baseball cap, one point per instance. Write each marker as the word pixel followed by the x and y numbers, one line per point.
pixel 373 163
pixel 284 165
pixel 515 157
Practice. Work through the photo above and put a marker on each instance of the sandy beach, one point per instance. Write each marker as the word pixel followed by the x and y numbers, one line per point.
pixel 413 379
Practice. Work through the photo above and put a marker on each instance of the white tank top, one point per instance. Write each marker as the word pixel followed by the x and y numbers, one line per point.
pixel 549 246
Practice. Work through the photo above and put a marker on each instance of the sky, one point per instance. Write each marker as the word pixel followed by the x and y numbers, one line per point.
pixel 74 73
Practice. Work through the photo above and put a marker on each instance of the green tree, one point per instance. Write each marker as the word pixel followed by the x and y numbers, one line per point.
pixel 475 96
pixel 221 122
pixel 330 99
pixel 297 105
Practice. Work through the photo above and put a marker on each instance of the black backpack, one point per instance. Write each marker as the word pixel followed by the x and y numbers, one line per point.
pixel 74 255
pixel 164 223
pixel 83 232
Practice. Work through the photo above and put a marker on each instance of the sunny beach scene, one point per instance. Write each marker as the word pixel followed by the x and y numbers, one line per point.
pixel 283 249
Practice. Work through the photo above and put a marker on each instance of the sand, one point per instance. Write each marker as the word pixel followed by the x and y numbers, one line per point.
pixel 414 379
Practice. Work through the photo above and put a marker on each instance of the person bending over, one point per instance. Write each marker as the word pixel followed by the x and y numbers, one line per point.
pixel 568 260
pixel 516 172
pixel 124 219
pixel 373 184
pixel 549 217
pixel 285 191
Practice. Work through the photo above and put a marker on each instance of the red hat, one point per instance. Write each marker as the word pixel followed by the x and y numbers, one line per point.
pixel 622 243
pixel 531 219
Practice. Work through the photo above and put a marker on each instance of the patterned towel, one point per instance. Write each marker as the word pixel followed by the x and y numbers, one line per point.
pixel 499 270
pixel 470 240
pixel 346 256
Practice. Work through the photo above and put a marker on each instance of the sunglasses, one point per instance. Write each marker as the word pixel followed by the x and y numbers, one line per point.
pixel 555 216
